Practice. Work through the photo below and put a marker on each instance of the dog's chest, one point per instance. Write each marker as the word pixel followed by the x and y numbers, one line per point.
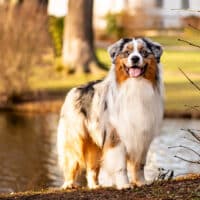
pixel 137 112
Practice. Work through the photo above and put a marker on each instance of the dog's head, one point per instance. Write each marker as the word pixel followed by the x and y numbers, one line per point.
pixel 136 58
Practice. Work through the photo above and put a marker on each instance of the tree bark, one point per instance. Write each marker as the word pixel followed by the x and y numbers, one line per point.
pixel 78 48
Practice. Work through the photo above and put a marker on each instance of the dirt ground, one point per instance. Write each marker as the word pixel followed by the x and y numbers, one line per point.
pixel 166 190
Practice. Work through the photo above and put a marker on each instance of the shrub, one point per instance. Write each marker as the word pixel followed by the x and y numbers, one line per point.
pixel 114 28
pixel 56 27
pixel 23 37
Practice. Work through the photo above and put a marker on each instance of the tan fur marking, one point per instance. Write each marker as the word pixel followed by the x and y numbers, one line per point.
pixel 140 46
pixel 150 73
pixel 92 155
pixel 128 47
pixel 121 74
pixel 113 139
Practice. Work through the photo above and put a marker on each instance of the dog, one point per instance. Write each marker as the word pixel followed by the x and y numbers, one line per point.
pixel 110 123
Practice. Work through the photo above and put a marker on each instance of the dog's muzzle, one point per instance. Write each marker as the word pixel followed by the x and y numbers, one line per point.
pixel 136 71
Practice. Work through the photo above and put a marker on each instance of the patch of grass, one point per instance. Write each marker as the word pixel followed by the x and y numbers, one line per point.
pixel 62 82
pixel 179 92
pixel 167 41
pixel 103 56
pixel 189 34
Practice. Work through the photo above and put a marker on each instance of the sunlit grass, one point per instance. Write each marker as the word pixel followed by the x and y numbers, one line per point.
pixel 179 92
pixel 189 34
pixel 63 83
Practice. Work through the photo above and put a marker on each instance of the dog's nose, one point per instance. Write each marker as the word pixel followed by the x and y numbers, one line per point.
pixel 135 59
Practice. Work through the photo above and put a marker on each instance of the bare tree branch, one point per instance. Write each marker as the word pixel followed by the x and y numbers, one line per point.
pixel 198 130
pixel 188 42
pixel 197 142
pixel 193 27
pixel 193 134
pixel 190 161
pixel 194 84
pixel 188 148
pixel 195 130
pixel 192 107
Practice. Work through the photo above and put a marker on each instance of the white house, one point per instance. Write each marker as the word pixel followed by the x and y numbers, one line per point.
pixel 172 11
pixel 158 13
pixel 57 8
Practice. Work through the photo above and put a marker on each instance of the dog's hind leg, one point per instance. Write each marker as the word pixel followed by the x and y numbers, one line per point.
pixel 69 147
pixel 92 154
pixel 92 176
pixel 70 170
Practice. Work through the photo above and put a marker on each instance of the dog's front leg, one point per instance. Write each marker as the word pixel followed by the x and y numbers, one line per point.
pixel 114 160
pixel 137 173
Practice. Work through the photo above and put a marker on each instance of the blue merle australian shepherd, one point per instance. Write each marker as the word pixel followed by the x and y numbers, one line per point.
pixel 110 123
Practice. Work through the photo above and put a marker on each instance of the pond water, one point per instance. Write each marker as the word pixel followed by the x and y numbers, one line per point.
pixel 28 159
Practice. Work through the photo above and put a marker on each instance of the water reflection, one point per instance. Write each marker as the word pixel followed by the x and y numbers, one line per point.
pixel 27 152
pixel 28 159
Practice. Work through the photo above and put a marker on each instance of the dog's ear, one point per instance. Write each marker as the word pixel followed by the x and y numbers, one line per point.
pixel 155 47
pixel 116 48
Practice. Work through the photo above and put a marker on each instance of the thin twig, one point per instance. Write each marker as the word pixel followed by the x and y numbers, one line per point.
pixel 194 84
pixel 188 148
pixel 188 42
pixel 192 107
pixel 197 142
pixel 193 27
pixel 192 129
pixel 193 134
pixel 191 161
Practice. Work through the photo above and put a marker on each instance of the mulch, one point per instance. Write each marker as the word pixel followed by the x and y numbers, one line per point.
pixel 165 190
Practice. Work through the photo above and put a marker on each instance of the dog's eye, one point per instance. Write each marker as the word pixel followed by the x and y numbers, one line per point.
pixel 144 53
pixel 127 53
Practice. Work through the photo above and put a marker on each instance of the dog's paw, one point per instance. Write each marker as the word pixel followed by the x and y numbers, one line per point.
pixel 69 185
pixel 140 183
pixel 93 186
pixel 124 186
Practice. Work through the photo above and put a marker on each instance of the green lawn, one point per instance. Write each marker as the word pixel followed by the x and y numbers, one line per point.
pixel 179 92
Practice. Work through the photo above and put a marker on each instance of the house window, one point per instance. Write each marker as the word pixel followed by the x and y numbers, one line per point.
pixel 159 3
pixel 185 4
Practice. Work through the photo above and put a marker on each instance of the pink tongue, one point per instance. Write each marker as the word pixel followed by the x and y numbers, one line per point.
pixel 134 72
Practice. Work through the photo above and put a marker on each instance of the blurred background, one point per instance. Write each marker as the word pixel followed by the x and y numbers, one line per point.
pixel 50 46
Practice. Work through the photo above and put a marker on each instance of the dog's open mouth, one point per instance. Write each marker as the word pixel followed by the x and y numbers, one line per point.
pixel 135 71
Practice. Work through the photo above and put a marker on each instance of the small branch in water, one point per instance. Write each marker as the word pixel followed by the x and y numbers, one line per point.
pixel 188 148
pixel 194 84
pixel 197 142
pixel 194 134
pixel 195 130
pixel 186 160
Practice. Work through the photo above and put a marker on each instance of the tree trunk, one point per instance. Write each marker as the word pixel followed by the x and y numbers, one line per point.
pixel 78 48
